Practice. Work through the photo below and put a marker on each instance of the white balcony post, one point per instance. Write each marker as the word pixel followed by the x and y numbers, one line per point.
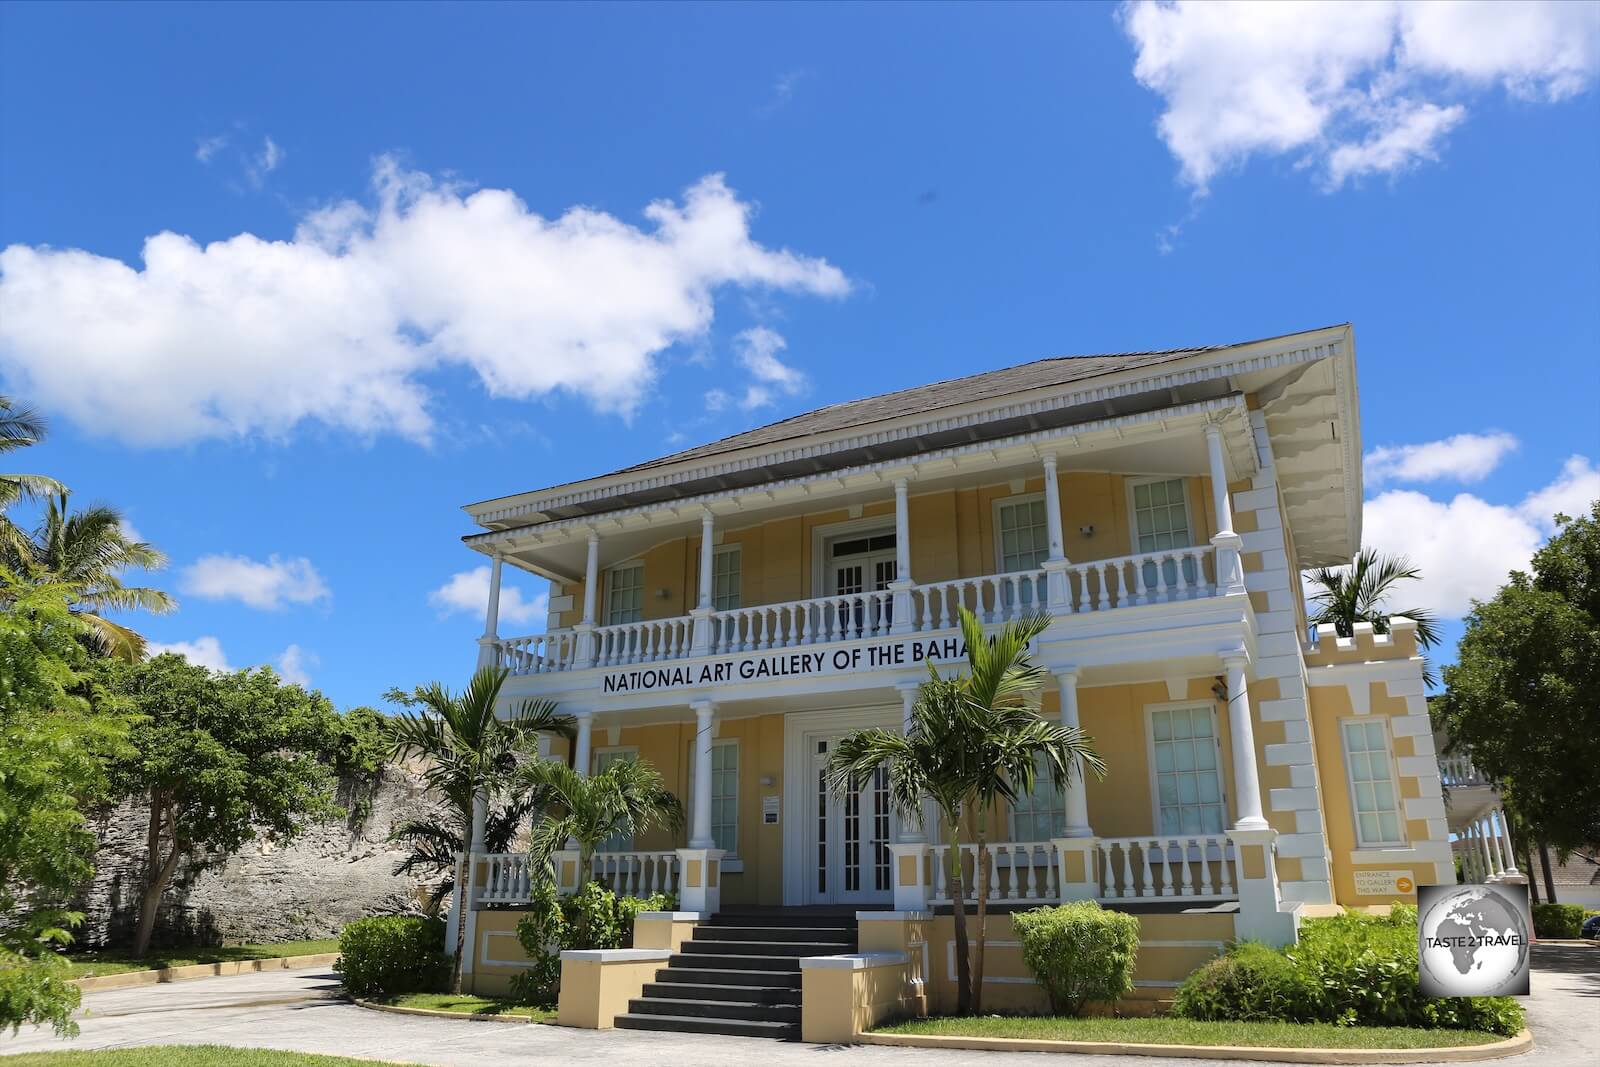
pixel 1075 800
pixel 586 651
pixel 1230 571
pixel 1246 779
pixel 700 616
pixel 1057 593
pixel 580 750
pixel 489 643
pixel 700 825
pixel 1512 874
pixel 901 586
pixel 1491 868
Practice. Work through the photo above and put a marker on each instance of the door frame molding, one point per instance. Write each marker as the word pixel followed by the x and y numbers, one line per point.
pixel 797 786
pixel 821 535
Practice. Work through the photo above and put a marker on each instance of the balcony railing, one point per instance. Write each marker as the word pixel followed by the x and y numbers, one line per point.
pixel 635 874
pixel 1101 585
pixel 1457 772
pixel 1191 866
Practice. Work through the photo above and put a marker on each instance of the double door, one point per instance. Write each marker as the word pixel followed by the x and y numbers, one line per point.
pixel 846 858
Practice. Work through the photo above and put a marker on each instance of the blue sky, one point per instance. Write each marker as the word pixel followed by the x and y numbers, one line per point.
pixel 437 279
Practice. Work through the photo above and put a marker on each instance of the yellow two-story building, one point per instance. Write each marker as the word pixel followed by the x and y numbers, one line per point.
pixel 730 611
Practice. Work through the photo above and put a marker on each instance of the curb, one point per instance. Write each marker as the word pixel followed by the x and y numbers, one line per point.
pixel 130 979
pixel 1511 1046
pixel 433 1013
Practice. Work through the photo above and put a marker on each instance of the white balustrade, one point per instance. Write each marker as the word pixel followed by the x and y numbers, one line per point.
pixel 995 598
pixel 507 880
pixel 1457 772
pixel 1167 865
pixel 637 874
pixel 843 617
pixel 1147 578
pixel 1016 871
pixel 539 653
pixel 649 641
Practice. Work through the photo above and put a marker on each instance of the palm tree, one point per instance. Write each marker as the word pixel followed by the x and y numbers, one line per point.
pixel 88 550
pixel 471 751
pixel 436 838
pixel 1358 593
pixel 974 740
pixel 20 428
pixel 629 797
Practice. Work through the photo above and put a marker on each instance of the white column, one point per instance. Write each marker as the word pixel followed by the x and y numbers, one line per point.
pixel 591 590
pixel 488 644
pixel 1489 866
pixel 707 532
pixel 1230 573
pixel 1246 780
pixel 700 823
pixel 580 751
pixel 1075 801
pixel 1057 594
pixel 1505 843
pixel 901 586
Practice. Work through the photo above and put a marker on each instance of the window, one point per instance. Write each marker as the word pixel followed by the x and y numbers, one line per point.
pixel 625 593
pixel 725 578
pixel 1366 751
pixel 1188 782
pixel 1161 520
pixel 604 758
pixel 724 793
pixel 1022 533
pixel 1040 815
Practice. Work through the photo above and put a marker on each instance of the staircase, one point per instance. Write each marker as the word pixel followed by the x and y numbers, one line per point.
pixel 740 975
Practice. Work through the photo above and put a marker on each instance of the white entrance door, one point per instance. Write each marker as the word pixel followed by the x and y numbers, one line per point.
pixel 847 836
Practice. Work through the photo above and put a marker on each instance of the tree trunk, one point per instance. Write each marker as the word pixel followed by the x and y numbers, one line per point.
pixel 1533 875
pixel 978 873
pixel 157 871
pixel 958 896
pixel 1549 880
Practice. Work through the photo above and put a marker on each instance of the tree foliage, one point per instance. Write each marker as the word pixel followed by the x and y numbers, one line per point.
pixel 1361 591
pixel 628 797
pixel 219 759
pixel 53 750
pixel 1524 696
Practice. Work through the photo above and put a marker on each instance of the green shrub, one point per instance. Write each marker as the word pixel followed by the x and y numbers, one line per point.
pixel 1557 920
pixel 1251 982
pixel 593 917
pixel 1079 952
pixel 1352 970
pixel 389 954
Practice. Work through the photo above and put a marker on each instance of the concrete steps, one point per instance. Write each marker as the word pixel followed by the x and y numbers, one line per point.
pixel 739 975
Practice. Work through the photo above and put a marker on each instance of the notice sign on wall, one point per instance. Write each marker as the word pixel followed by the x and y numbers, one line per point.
pixel 1375 883
pixel 769 811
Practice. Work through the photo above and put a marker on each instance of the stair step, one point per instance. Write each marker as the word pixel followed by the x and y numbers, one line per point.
pixel 715 1009
pixel 845 934
pixel 688 1024
pixel 789 949
pixel 785 918
pixel 670 990
pixel 733 961
pixel 699 975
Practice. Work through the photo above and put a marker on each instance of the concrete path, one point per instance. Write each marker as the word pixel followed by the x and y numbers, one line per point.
pixel 301 1010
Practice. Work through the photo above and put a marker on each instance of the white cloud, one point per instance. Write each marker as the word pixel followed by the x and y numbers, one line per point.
pixel 1348 88
pixel 202 652
pixel 758 353
pixel 206 147
pixel 264 162
pixel 129 530
pixel 251 337
pixel 294 663
pixel 1466 457
pixel 717 400
pixel 468 592
pixel 1465 547
pixel 268 585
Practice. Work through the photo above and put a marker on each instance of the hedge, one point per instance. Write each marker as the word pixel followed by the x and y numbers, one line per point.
pixel 1079 952
pixel 1352 970
pixel 1558 920
pixel 593 917
pixel 390 954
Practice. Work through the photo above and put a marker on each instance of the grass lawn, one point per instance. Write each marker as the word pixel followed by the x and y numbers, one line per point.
pixel 182 1056
pixel 467 1004
pixel 90 964
pixel 1169 1031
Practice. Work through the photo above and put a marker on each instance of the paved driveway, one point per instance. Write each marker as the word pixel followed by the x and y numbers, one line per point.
pixel 301 1010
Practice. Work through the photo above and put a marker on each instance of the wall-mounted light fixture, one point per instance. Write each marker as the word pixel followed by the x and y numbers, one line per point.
pixel 1087 531
pixel 663 593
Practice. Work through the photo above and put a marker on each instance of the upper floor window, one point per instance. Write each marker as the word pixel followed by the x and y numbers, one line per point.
pixel 1022 534
pixel 625 593
pixel 1187 775
pixel 1366 753
pixel 725 577
pixel 1160 515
